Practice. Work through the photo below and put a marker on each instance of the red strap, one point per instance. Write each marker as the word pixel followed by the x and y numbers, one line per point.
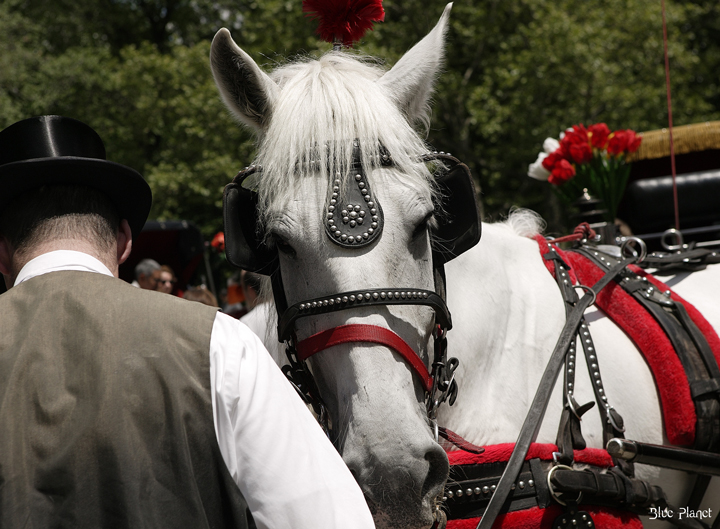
pixel 365 333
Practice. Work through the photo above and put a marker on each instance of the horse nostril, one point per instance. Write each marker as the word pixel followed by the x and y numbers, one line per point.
pixel 438 470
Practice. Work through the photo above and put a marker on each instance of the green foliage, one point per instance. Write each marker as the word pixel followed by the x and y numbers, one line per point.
pixel 517 72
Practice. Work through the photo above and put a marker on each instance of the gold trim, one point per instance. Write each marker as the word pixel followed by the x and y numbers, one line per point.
pixel 686 138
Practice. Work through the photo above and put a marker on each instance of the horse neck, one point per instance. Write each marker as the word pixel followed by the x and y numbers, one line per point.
pixel 507 315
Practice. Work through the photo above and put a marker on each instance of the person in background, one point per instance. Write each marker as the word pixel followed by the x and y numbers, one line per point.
pixel 146 274
pixel 202 295
pixel 165 280
pixel 121 407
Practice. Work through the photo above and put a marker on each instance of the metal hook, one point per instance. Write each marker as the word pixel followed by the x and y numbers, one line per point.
pixel 633 253
pixel 668 235
pixel 589 291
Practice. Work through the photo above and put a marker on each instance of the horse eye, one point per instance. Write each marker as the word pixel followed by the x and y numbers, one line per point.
pixel 283 246
pixel 423 225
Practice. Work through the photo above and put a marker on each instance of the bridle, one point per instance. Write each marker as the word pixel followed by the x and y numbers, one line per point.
pixel 353 227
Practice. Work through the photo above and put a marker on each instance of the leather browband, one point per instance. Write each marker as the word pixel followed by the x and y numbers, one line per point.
pixel 365 333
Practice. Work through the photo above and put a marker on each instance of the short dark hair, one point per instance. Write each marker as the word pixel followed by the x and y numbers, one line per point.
pixel 60 212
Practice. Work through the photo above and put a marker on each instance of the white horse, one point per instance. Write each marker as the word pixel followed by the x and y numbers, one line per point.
pixel 507 309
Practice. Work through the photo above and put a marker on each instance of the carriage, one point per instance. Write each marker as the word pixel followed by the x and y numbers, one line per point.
pixel 365 235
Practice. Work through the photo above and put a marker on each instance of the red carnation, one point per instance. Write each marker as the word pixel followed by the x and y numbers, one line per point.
pixel 617 143
pixel 633 142
pixel 552 158
pixel 344 20
pixel 580 152
pixel 562 172
pixel 598 135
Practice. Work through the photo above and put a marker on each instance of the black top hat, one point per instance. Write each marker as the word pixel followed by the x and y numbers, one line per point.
pixel 57 150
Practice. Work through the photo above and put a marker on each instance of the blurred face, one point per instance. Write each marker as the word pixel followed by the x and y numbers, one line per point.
pixel 165 282
pixel 149 282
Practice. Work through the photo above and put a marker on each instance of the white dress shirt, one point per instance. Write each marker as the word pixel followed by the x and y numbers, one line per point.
pixel 289 472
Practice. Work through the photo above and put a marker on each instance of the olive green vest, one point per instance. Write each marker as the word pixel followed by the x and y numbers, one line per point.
pixel 105 411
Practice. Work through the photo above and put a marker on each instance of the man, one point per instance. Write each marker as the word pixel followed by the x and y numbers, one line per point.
pixel 121 407
pixel 146 273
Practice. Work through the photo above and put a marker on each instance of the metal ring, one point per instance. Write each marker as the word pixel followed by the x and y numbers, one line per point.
pixel 552 490
pixel 643 248
pixel 667 234
pixel 588 290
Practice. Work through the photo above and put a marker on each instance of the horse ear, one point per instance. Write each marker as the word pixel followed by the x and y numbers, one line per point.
pixel 247 91
pixel 410 82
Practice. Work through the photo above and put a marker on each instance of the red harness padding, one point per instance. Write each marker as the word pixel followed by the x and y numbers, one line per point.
pixel 535 517
pixel 672 384
pixel 365 333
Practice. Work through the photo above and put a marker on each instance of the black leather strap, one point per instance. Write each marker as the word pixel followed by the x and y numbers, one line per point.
pixel 362 298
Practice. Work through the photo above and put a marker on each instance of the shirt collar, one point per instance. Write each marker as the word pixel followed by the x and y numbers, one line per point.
pixel 61 260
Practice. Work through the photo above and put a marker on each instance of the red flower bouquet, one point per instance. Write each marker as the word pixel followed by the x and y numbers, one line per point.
pixel 591 158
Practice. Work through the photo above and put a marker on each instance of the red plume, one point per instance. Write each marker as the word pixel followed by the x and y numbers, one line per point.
pixel 344 20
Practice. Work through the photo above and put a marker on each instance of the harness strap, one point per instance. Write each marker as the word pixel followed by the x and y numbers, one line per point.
pixel 362 298
pixel 365 333
pixel 533 420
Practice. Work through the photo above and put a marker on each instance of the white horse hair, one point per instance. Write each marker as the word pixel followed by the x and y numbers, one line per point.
pixel 507 310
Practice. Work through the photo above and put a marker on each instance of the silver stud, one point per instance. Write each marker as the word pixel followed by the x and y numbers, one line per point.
pixel 330 215
pixel 358 177
pixel 302 306
pixel 469 492
pixel 367 295
pixel 531 482
pixel 425 295
pixel 375 295
pixel 325 303
pixel 477 490
pixel 353 223
pixel 360 221
pixel 333 202
pixel 459 493
pixel 351 239
pixel 334 195
pixel 352 297
pixel 374 225
pixel 338 300
pixel 370 230
pixel 331 208
pixel 352 215
pixel 367 198
pixel 371 204
pixel 493 488
pixel 373 211
pixel 346 220
pixel 374 218
pixel 521 484
pixel 383 295
pixel 364 191
pixel 361 185
pixel 485 489
pixel 337 234
pixel 362 213
pixel 450 494
pixel 343 237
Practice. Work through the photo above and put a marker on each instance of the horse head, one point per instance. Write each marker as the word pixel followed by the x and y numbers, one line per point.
pixel 345 212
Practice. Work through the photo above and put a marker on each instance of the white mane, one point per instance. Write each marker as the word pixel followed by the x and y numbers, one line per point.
pixel 324 106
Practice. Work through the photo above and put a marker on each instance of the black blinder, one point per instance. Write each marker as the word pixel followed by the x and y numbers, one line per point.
pixel 459 227
pixel 243 242
pixel 458 230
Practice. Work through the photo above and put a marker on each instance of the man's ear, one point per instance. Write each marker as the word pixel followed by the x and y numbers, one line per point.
pixel 5 256
pixel 6 253
pixel 124 242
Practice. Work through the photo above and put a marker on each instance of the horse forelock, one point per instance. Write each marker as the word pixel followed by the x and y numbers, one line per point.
pixel 325 105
